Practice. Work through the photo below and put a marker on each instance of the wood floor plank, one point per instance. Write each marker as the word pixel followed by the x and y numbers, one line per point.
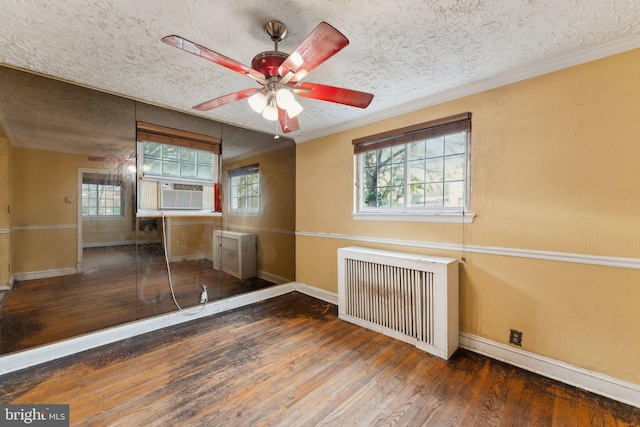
pixel 289 361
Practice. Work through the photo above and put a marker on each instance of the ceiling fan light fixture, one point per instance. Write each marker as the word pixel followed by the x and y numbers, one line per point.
pixel 258 102
pixel 284 98
pixel 294 109
pixel 270 111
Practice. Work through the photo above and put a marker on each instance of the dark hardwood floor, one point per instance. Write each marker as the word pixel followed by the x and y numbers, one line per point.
pixel 290 361
pixel 119 284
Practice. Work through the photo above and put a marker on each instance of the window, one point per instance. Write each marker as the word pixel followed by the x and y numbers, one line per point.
pixel 170 161
pixel 177 155
pixel 415 172
pixel 176 170
pixel 244 186
pixel 101 200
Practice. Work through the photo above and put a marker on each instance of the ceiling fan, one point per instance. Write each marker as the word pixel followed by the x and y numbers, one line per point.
pixel 280 74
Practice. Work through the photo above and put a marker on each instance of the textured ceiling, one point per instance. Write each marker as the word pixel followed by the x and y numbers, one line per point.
pixel 409 54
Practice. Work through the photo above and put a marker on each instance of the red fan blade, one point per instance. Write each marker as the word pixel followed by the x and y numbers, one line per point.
pixel 286 123
pixel 203 52
pixel 338 95
pixel 323 42
pixel 209 105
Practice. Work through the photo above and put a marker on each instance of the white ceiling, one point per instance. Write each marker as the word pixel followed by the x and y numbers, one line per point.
pixel 408 53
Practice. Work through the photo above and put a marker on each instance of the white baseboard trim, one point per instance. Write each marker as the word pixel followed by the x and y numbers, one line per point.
pixel 190 257
pixel 312 291
pixel 594 382
pixel 273 278
pixel 30 275
pixel 109 244
pixel 46 353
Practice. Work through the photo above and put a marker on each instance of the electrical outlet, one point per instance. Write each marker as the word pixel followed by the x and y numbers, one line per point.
pixel 515 337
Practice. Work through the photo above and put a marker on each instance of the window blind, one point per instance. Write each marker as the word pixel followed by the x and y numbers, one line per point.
pixel 180 138
pixel 245 170
pixel 431 129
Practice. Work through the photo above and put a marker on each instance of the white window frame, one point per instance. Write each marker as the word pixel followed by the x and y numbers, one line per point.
pixel 407 213
pixel 243 173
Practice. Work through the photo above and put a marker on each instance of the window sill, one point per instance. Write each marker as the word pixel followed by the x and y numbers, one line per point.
pixel 440 217
pixel 175 212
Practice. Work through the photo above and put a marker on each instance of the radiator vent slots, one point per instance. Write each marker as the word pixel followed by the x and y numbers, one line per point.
pixel 406 296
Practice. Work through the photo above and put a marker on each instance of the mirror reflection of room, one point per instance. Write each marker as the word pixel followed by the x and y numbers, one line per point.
pixel 119 211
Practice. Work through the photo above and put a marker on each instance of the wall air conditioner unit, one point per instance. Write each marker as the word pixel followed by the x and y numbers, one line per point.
pixel 176 195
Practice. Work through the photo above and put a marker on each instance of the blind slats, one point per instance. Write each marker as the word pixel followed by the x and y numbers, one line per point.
pixel 162 135
pixel 427 130
pixel 245 170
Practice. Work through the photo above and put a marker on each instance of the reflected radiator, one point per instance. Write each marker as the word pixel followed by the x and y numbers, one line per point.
pixel 406 296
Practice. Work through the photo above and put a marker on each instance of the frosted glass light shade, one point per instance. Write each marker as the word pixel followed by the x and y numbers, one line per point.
pixel 294 109
pixel 284 98
pixel 257 102
pixel 270 112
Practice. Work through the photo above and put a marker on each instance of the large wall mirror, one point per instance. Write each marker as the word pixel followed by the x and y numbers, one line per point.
pixel 106 218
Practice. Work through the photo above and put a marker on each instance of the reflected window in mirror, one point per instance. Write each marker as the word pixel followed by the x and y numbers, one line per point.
pixel 176 169
pixel 101 198
pixel 244 189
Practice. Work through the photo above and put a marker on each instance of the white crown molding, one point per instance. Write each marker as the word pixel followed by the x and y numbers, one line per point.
pixel 536 70
pixel 606 261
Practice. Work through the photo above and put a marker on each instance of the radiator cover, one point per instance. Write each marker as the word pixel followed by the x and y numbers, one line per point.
pixel 409 297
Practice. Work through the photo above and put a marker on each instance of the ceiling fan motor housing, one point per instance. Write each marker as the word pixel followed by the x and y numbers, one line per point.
pixel 268 62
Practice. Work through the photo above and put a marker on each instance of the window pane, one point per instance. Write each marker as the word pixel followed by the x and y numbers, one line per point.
pixel 454 194
pixel 254 203
pixel 369 197
pixel 152 167
pixel 454 168
pixel 171 152
pixel 384 175
pixel 397 154
pixel 435 147
pixel 188 170
pixel 455 143
pixel 205 172
pixel 188 155
pixel 205 157
pixel 435 169
pixel 416 194
pixel 434 194
pixel 397 196
pixel 384 156
pixel 416 171
pixel 383 198
pixel 151 149
pixel 416 150
pixel 369 177
pixel 369 158
pixel 170 168
pixel 397 174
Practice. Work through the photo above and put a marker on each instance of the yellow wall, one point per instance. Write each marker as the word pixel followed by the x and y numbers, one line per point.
pixel 192 238
pixel 554 166
pixel 275 224
pixel 5 223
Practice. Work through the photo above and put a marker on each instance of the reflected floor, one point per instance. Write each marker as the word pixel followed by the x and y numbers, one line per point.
pixel 118 285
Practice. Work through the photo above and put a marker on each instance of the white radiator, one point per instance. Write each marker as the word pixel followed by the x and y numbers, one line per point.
pixel 410 297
